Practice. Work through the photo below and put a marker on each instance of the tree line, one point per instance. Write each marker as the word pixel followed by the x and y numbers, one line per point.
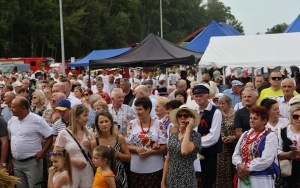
pixel 31 28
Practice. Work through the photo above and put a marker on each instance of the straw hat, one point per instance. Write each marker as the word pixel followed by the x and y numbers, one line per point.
pixel 174 112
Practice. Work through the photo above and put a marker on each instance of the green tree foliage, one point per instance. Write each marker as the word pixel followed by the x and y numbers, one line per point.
pixel 31 28
pixel 279 28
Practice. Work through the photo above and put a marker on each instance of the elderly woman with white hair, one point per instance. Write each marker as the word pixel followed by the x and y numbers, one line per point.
pixel 183 147
pixel 225 169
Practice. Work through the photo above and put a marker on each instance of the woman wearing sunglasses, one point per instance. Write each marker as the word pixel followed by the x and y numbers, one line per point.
pixel 255 153
pixel 289 147
pixel 183 147
pixel 76 140
pixel 86 97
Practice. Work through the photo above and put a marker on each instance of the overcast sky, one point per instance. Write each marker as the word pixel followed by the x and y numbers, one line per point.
pixel 259 15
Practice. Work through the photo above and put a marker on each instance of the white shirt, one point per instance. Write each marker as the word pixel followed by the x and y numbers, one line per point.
pixel 173 79
pixel 104 79
pixel 26 136
pixel 133 80
pixel 284 107
pixel 215 130
pixel 282 123
pixel 121 116
pixel 162 77
pixel 73 100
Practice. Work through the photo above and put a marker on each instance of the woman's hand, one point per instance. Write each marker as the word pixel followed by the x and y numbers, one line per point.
pixel 228 139
pixel 145 153
pixel 190 123
pixel 79 163
pixel 163 185
pixel 242 171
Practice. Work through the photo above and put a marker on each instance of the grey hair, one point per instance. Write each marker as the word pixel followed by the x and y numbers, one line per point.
pixel 99 83
pixel 144 89
pixel 61 85
pixel 225 98
pixel 94 98
pixel 254 91
pixel 286 79
pixel 113 93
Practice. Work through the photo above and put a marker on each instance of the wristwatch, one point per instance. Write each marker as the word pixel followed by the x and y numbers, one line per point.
pixel 4 164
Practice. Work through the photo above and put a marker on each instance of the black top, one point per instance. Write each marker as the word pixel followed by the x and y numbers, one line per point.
pixel 128 98
pixel 241 119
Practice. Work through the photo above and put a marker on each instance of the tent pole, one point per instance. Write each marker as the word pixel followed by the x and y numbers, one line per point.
pixel 89 85
pixel 224 76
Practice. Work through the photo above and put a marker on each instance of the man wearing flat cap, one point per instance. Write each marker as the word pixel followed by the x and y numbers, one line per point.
pixel 234 92
pixel 210 130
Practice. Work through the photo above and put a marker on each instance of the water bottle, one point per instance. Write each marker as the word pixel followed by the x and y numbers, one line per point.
pixel 246 181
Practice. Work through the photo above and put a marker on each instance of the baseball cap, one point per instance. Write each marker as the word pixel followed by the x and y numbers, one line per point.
pixel 200 89
pixel 236 83
pixel 63 104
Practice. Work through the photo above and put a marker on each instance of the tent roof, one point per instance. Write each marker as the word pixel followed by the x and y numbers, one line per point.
pixel 294 26
pixel 253 50
pixel 200 42
pixel 152 51
pixel 98 54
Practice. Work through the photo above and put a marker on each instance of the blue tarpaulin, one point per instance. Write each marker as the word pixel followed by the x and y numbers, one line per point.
pixel 294 26
pixel 200 42
pixel 98 55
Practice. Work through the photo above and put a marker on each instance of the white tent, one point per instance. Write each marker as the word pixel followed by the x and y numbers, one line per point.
pixel 268 50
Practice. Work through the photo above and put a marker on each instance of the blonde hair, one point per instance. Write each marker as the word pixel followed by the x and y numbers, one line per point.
pixel 40 95
pixel 162 101
pixel 76 111
pixel 294 109
pixel 102 104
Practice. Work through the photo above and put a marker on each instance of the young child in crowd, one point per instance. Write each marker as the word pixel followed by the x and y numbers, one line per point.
pixel 105 161
pixel 60 173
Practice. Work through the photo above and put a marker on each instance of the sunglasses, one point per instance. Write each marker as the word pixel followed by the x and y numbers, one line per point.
pixel 295 117
pixel 55 153
pixel 185 116
pixel 86 94
pixel 276 78
pixel 117 82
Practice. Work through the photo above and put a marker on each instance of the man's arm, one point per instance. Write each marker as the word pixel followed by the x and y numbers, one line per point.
pixel 47 146
pixel 4 150
pixel 214 132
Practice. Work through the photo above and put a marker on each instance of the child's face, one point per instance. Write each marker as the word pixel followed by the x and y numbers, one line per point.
pixel 58 162
pixel 97 108
pixel 97 160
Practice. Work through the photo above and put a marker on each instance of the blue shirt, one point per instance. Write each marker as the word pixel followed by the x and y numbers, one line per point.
pixel 234 96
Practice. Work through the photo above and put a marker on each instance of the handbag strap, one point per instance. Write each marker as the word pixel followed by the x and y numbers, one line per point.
pixel 81 149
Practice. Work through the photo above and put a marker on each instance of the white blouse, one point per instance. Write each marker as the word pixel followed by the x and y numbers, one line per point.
pixel 145 138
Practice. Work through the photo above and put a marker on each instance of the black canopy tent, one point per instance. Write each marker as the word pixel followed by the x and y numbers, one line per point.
pixel 152 51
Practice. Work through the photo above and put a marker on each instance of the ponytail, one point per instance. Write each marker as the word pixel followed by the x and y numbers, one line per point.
pixel 109 154
pixel 113 159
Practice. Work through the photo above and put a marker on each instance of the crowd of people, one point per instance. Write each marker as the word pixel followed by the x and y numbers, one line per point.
pixel 149 130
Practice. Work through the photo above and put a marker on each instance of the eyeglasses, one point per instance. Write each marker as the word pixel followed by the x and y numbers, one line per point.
pixel 184 116
pixel 86 94
pixel 55 153
pixel 276 78
pixel 295 117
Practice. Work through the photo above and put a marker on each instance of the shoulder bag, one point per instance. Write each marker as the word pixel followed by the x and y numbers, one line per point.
pixel 86 156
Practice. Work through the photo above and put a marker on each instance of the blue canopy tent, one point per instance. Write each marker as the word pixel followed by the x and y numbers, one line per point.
pixel 97 55
pixel 200 42
pixel 294 26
